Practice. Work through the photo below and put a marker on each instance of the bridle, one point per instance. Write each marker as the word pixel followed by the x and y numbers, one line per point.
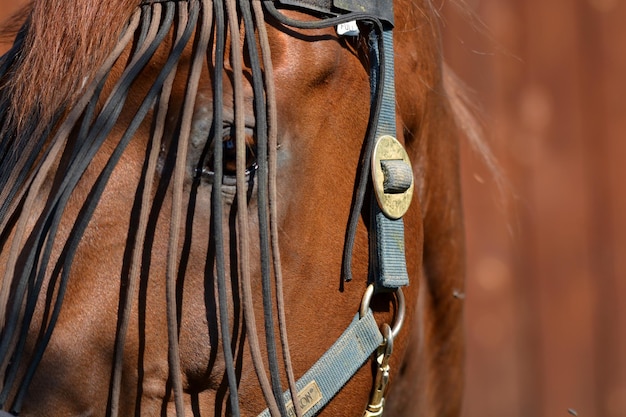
pixel 393 185
pixel 382 156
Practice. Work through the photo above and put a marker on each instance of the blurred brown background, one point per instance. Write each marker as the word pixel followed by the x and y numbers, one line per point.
pixel 546 329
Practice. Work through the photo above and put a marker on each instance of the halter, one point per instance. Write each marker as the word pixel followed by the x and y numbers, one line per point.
pixel 392 181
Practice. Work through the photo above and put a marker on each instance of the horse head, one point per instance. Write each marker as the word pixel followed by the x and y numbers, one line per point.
pixel 188 222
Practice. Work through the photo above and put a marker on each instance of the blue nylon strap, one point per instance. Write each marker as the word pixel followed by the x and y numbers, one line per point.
pixel 390 263
pixel 387 116
pixel 387 235
pixel 344 358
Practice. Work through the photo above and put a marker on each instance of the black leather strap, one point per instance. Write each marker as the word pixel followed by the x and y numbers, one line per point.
pixel 383 9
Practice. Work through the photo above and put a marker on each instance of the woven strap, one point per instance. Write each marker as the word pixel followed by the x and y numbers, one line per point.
pixel 333 370
pixel 387 235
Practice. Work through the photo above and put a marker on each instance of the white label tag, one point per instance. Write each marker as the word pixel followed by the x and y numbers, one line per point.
pixel 348 29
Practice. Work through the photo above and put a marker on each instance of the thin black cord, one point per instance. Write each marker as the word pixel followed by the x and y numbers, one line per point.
pixel 260 111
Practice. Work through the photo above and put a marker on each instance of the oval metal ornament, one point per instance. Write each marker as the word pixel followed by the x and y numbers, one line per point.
pixel 392 177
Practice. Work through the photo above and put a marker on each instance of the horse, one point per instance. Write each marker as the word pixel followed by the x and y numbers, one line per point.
pixel 187 221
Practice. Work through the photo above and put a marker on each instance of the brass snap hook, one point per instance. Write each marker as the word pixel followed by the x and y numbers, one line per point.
pixel 381 383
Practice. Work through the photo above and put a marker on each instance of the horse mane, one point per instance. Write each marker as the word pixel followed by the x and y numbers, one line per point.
pixel 466 111
pixel 63 49
pixel 54 56
pixel 466 108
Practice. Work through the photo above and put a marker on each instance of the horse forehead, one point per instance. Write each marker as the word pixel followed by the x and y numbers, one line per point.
pixel 204 106
pixel 303 54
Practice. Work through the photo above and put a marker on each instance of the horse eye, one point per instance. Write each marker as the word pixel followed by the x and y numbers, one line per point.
pixel 229 157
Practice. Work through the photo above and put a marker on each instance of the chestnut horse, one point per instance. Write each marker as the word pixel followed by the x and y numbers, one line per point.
pixel 187 224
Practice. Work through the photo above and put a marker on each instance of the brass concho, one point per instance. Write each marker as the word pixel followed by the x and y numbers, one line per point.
pixel 392 176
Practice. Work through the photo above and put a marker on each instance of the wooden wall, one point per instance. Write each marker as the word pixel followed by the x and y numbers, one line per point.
pixel 546 329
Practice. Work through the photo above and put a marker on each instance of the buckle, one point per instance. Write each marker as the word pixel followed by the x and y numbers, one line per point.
pixel 392 176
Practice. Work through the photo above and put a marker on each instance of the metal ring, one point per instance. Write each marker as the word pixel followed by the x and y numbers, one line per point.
pixel 365 304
